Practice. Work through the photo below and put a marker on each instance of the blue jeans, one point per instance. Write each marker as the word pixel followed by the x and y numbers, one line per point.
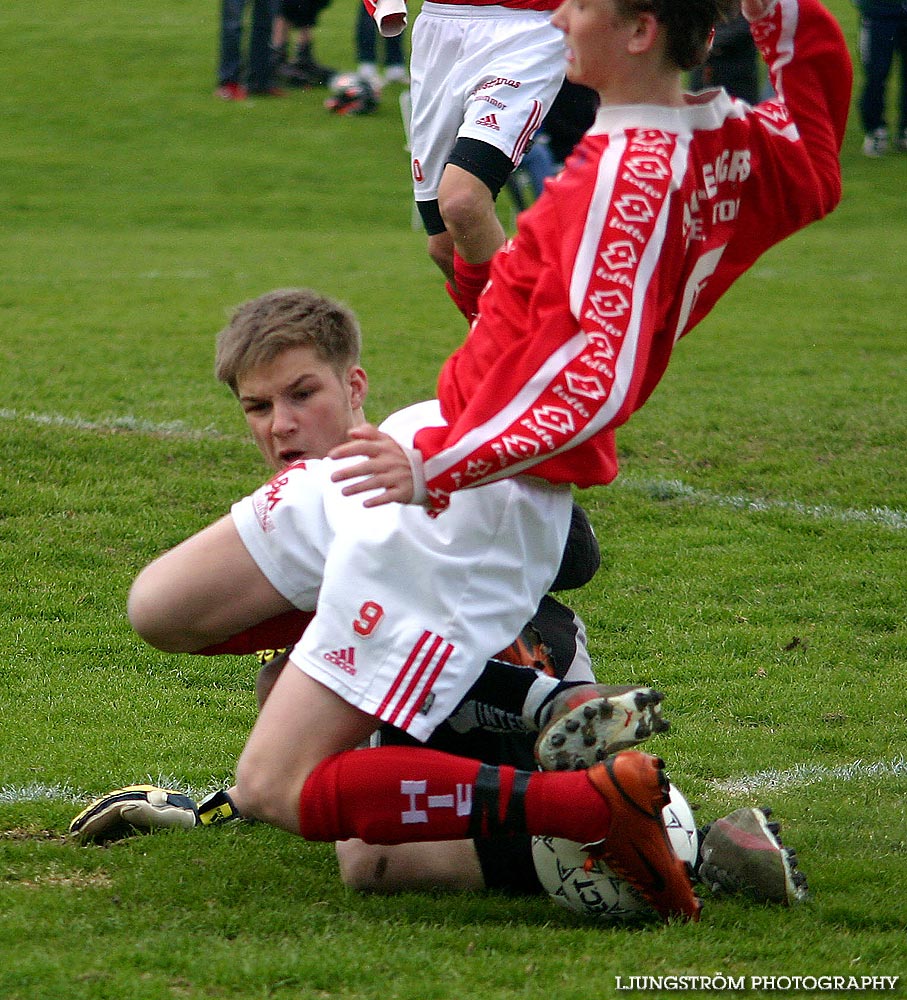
pixel 231 64
pixel 883 34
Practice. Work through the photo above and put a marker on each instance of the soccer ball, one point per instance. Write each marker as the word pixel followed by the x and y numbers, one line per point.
pixel 599 892
pixel 351 94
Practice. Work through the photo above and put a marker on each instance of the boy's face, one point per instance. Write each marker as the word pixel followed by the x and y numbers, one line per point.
pixel 298 407
pixel 596 40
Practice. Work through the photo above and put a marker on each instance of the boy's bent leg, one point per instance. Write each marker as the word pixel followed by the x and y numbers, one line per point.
pixel 397 795
pixel 301 723
pixel 203 591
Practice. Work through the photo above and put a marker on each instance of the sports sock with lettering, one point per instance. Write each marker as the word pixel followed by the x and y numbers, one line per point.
pixel 395 795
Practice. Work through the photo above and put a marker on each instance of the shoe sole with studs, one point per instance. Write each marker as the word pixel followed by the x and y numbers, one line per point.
pixel 613 719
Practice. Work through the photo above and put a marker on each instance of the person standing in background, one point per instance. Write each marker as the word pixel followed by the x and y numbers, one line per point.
pixel 303 70
pixel 236 77
pixel 883 34
pixel 483 78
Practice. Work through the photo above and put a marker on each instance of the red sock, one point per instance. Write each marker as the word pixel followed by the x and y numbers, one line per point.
pixel 275 633
pixel 394 795
pixel 469 281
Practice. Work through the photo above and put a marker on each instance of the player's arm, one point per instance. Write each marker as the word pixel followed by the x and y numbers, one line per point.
pixel 812 75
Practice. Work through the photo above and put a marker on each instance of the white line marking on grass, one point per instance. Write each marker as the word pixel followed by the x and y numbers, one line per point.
pixel 187 274
pixel 183 274
pixel 14 794
pixel 657 489
pixel 810 774
pixel 171 428
pixel 674 489
pixel 37 792
pixel 797 776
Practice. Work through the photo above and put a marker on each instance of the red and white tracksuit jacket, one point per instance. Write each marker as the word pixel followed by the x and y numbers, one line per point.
pixel 656 214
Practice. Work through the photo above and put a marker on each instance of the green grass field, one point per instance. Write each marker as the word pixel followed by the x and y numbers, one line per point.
pixel 755 545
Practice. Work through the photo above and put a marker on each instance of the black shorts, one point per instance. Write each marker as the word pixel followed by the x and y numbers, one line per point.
pixel 302 13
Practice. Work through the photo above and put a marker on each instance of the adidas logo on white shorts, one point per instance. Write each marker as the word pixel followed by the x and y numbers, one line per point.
pixel 489 121
pixel 343 658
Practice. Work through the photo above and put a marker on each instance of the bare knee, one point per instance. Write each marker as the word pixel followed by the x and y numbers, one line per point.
pixel 467 207
pixel 268 796
pixel 362 866
pixel 148 615
pixel 464 208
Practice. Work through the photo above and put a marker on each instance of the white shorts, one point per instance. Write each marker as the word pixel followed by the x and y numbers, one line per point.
pixel 409 607
pixel 489 73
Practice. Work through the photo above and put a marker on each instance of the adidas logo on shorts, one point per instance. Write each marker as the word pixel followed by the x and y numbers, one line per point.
pixel 489 121
pixel 343 658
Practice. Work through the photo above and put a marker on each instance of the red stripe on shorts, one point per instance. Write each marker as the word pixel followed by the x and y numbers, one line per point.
pixel 420 701
pixel 389 697
pixel 414 670
pixel 532 123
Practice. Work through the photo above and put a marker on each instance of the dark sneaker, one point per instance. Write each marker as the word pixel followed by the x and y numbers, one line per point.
pixel 306 73
pixel 743 853
pixel 590 721
pixel 637 847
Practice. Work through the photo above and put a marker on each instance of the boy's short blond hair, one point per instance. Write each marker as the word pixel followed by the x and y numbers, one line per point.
pixel 264 327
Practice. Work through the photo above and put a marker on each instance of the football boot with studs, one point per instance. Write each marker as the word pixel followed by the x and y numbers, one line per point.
pixel 590 721
pixel 742 853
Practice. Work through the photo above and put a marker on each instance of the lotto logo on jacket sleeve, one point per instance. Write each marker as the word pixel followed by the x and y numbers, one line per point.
pixel 590 381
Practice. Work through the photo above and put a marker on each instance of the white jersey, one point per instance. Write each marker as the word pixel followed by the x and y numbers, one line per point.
pixel 409 607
